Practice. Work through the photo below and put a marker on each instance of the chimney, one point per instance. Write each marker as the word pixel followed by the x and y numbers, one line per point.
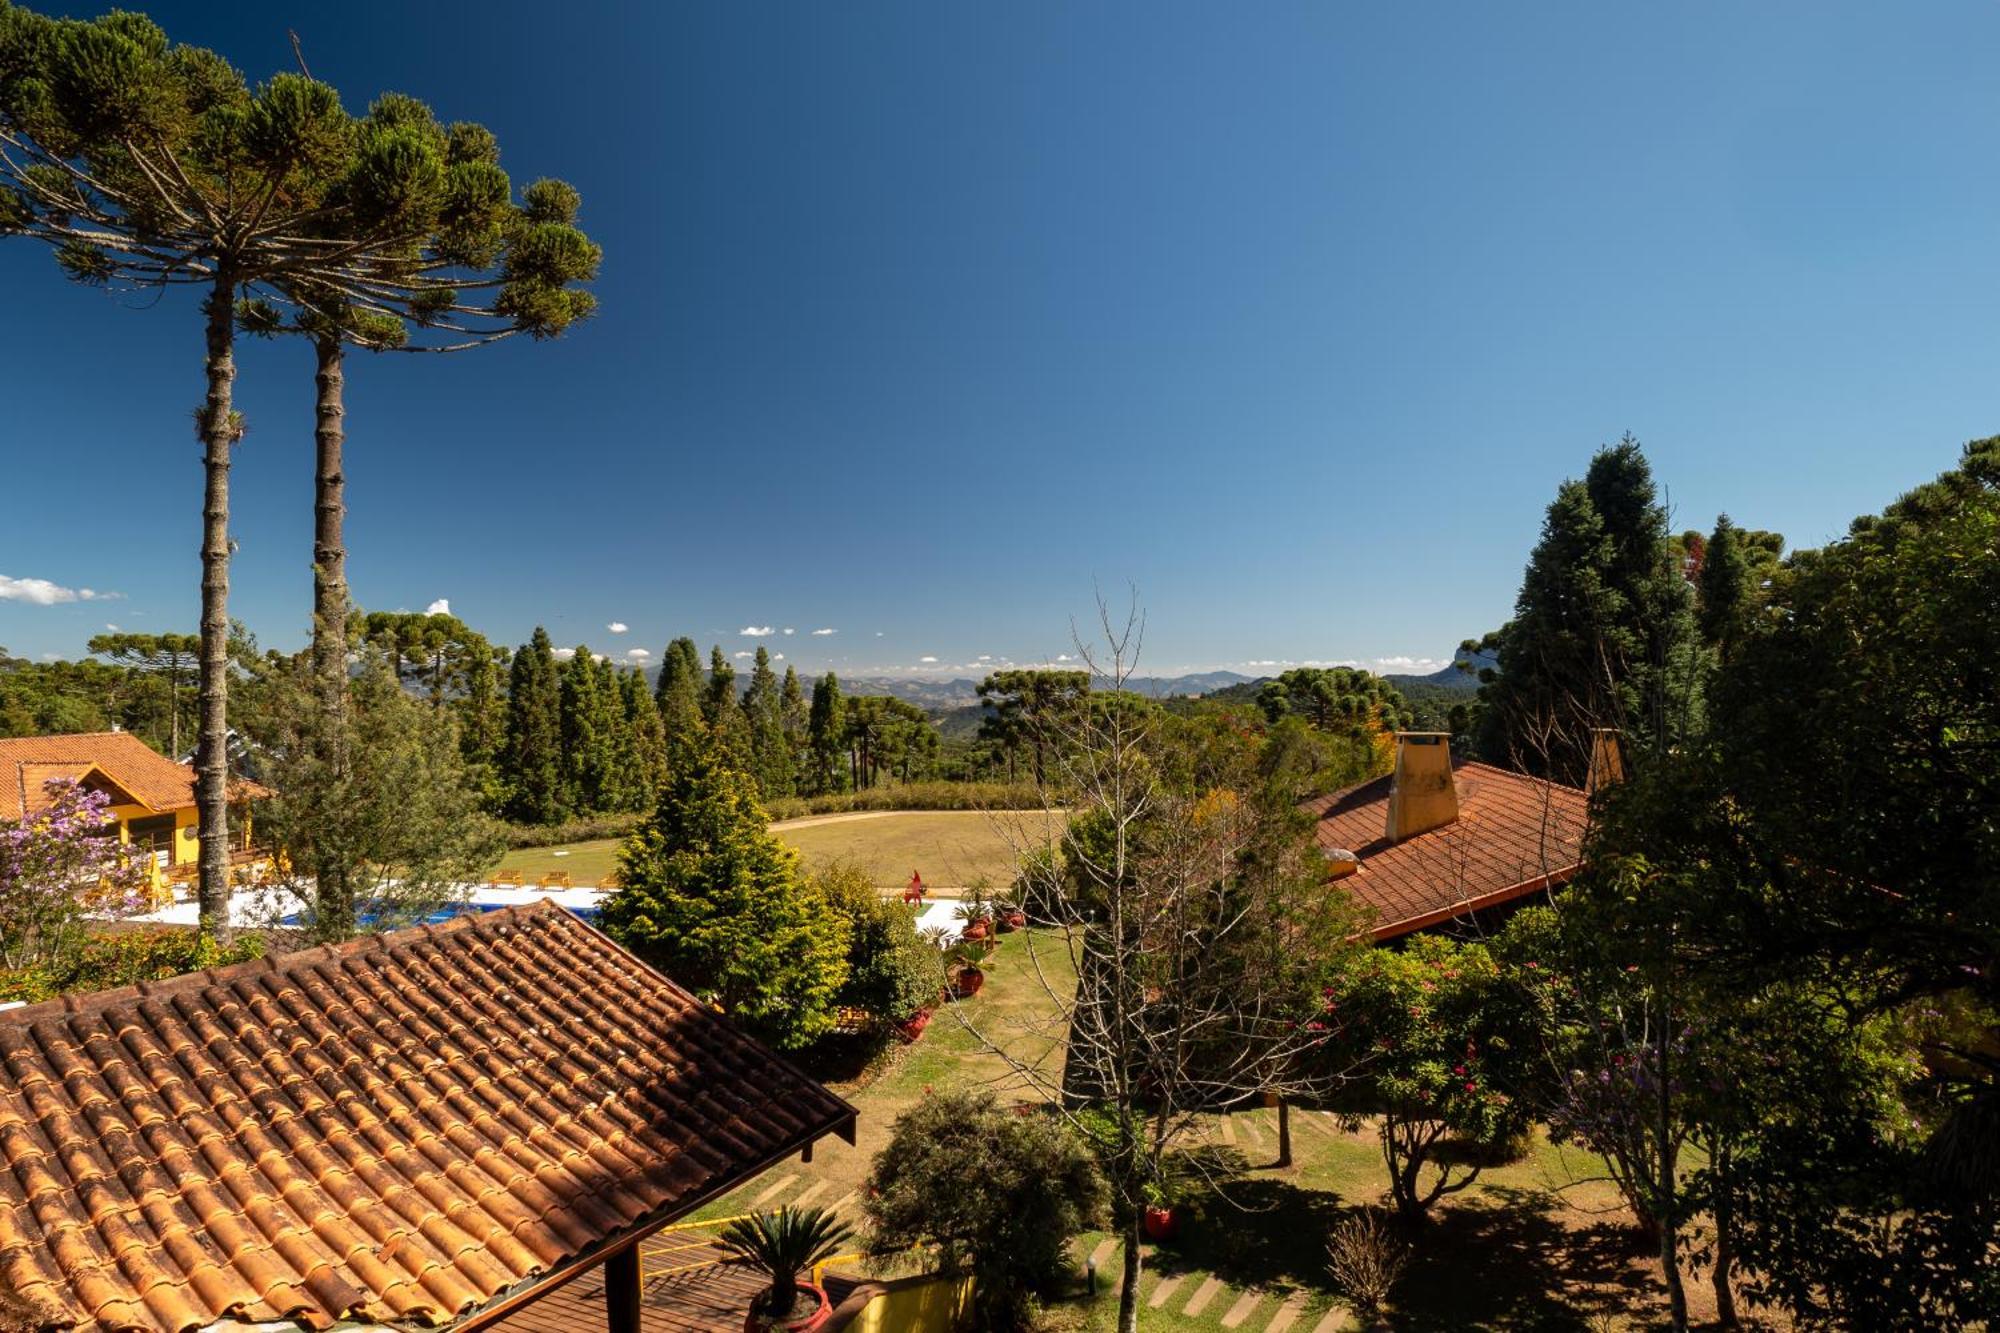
pixel 1607 761
pixel 1422 795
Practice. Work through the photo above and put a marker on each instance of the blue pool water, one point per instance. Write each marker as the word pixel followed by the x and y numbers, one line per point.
pixel 371 914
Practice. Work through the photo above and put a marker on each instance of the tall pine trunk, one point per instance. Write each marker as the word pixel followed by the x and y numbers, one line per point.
pixel 219 431
pixel 1284 1133
pixel 1668 1185
pixel 1724 1209
pixel 333 893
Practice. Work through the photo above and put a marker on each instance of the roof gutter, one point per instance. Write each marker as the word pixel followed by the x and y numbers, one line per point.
pixel 1555 879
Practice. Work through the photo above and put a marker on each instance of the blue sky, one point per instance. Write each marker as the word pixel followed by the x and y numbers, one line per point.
pixel 920 322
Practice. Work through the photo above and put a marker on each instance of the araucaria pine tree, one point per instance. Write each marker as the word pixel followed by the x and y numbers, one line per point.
pixel 146 165
pixel 589 721
pixel 534 734
pixel 710 897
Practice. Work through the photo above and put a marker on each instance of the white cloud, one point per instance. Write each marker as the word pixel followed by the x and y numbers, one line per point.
pixel 878 633
pixel 1062 657
pixel 984 657
pixel 637 654
pixel 113 628
pixel 564 654
pixel 746 653
pixel 822 633
pixel 777 657
pixel 441 607
pixel 789 631
pixel 617 627
pixel 40 592
pixel 928 660
pixel 755 631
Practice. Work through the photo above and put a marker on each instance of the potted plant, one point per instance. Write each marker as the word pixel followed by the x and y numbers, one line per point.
pixel 978 910
pixel 785 1244
pixel 963 970
pixel 913 1027
pixel 1159 1219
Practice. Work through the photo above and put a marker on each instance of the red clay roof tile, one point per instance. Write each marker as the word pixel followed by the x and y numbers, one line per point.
pixel 1513 834
pixel 402 1128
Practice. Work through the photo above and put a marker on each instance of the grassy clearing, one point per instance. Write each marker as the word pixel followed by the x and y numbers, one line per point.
pixel 951 848
pixel 1536 1244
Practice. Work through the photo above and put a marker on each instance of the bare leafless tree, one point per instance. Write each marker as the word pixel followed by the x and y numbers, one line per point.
pixel 1197 925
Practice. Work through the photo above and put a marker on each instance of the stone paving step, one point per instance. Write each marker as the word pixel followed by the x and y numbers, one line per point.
pixel 1287 1314
pixel 1168 1286
pixel 1228 1128
pixel 1240 1311
pixel 1252 1132
pixel 1101 1256
pixel 844 1202
pixel 812 1192
pixel 1203 1294
pixel 1333 1321
pixel 773 1190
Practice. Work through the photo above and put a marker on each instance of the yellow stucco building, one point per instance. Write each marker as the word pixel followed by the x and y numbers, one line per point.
pixel 152 797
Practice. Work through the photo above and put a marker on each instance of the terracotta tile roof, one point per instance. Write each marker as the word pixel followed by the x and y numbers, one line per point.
pixel 150 778
pixel 399 1129
pixel 1514 834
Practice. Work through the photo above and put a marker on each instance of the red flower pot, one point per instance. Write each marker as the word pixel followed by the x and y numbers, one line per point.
pixel 970 979
pixel 822 1311
pixel 913 1027
pixel 1016 920
pixel 1160 1223
pixel 977 930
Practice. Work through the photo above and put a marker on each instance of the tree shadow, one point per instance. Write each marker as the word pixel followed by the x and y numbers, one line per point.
pixel 1498 1257
pixel 1506 1258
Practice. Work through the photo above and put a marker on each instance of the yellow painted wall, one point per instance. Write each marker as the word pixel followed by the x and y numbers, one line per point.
pixel 936 1306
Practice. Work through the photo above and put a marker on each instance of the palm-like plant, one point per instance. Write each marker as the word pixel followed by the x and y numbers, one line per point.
pixel 785 1244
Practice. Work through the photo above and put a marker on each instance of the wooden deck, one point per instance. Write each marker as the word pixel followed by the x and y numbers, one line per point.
pixel 702 1291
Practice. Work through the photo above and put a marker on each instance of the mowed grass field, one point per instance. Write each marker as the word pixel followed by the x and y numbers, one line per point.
pixel 950 848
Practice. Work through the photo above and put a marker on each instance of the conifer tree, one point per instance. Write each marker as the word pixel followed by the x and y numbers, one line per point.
pixel 534 734
pixel 1656 630
pixel 763 707
pixel 793 712
pixel 711 898
pixel 827 737
pixel 649 739
pixel 1725 589
pixel 679 701
pixel 482 723
pixel 1558 675
pixel 728 728
pixel 592 718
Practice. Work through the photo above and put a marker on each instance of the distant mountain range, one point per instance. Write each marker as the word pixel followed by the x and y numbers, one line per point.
pixel 943 695
pixel 1462 674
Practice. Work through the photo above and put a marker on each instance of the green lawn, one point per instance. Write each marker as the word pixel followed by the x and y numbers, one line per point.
pixel 1537 1244
pixel 951 848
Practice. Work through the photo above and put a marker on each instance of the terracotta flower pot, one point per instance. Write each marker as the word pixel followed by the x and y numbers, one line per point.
pixel 1160 1223
pixel 977 930
pixel 1016 920
pixel 970 979
pixel 913 1027
pixel 815 1318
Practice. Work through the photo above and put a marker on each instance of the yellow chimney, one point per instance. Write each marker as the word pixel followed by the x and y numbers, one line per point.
pixel 1422 795
pixel 1607 760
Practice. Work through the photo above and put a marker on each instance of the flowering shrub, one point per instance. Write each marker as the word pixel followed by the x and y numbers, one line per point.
pixel 1431 1035
pixel 58 867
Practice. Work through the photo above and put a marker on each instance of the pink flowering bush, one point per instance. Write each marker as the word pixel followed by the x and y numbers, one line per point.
pixel 1431 1033
pixel 59 867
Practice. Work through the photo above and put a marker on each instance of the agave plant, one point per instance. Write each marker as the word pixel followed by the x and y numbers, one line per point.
pixel 785 1244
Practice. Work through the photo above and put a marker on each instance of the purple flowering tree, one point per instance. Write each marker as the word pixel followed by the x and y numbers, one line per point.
pixel 59 867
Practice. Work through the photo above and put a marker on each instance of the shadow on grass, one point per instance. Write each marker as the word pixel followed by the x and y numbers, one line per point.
pixel 1499 1257
pixel 1508 1261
